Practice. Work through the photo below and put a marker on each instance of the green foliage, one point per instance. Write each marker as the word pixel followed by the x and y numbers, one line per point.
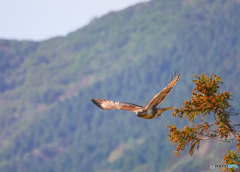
pixel 230 157
pixel 47 121
pixel 206 99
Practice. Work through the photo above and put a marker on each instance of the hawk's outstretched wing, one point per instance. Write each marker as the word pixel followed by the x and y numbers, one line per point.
pixel 108 104
pixel 159 97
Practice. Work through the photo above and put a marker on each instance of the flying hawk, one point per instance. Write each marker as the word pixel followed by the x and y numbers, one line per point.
pixel 148 112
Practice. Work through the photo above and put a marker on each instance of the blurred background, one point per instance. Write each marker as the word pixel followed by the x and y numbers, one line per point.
pixel 39 20
pixel 56 56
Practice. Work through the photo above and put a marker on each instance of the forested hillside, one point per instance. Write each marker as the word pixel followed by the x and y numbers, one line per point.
pixel 48 122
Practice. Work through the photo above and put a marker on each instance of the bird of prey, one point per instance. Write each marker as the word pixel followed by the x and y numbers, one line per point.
pixel 148 112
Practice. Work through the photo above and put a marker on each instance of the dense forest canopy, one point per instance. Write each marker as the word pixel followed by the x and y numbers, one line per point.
pixel 47 120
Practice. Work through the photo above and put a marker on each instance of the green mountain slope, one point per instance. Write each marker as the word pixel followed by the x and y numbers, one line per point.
pixel 47 120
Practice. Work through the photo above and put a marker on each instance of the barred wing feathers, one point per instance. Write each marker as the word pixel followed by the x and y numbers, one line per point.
pixel 108 104
pixel 159 97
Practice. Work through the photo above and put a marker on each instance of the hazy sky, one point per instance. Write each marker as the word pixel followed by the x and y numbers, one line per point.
pixel 43 19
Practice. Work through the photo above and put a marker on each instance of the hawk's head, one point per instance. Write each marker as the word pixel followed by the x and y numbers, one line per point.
pixel 141 113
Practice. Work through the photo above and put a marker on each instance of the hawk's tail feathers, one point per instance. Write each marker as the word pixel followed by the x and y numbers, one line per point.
pixel 165 109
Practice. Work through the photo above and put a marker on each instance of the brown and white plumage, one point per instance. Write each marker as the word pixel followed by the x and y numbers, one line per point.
pixel 149 112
